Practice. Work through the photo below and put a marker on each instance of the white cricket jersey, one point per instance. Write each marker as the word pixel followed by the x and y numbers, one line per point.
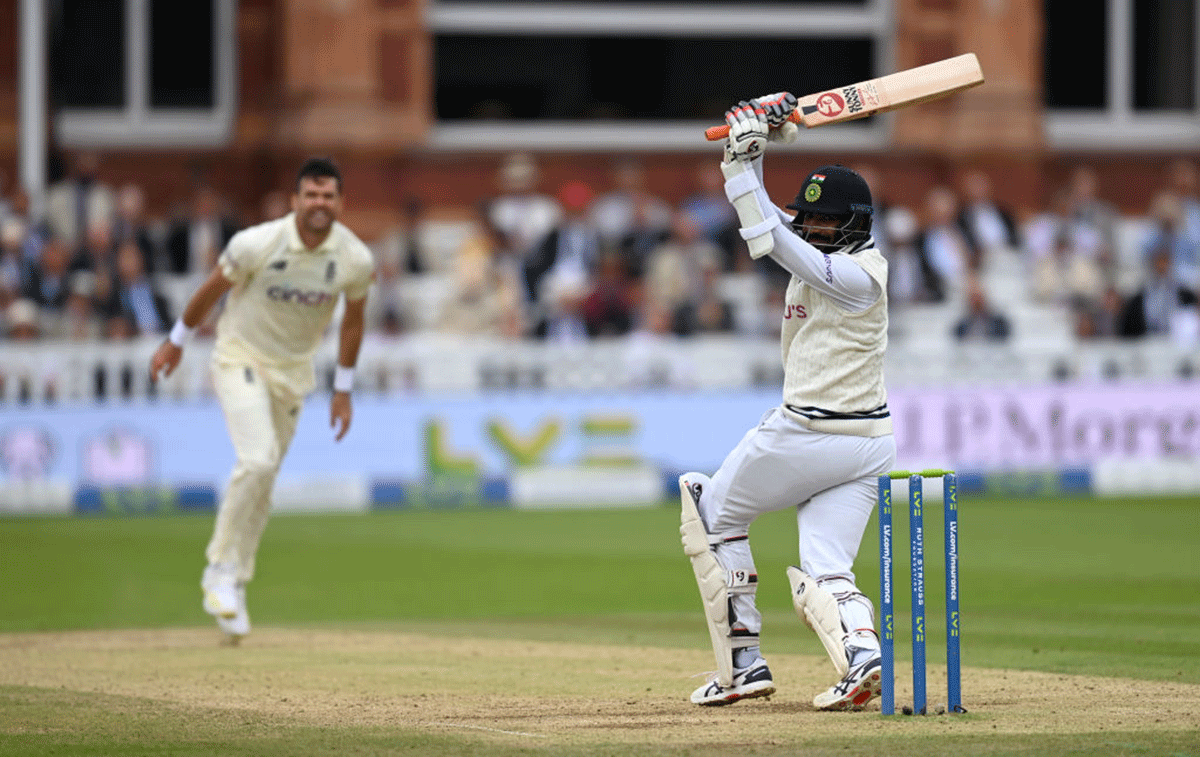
pixel 284 295
pixel 833 356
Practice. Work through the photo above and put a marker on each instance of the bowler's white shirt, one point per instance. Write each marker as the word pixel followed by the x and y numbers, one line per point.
pixel 284 295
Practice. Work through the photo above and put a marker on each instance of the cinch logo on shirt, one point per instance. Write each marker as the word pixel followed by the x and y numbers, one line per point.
pixel 794 311
pixel 311 298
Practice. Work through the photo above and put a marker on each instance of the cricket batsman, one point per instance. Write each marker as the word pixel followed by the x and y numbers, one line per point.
pixel 283 280
pixel 818 452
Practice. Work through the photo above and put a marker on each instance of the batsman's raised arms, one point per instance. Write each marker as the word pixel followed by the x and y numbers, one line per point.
pixel 898 90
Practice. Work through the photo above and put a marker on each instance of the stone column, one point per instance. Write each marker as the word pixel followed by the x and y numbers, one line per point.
pixel 1005 113
pixel 355 74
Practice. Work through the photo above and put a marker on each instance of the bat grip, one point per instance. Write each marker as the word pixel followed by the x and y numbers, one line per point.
pixel 714 133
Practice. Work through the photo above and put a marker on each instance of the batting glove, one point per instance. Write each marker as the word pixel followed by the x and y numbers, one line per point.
pixel 777 107
pixel 748 130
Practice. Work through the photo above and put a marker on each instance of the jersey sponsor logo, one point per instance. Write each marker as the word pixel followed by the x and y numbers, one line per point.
pixel 794 311
pixel 313 298
pixel 278 265
pixel 330 271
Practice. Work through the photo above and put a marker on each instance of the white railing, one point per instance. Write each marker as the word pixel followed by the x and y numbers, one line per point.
pixel 48 372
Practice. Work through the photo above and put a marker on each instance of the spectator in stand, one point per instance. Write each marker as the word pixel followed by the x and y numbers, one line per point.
pixel 675 268
pixel 629 216
pixel 1091 221
pixel 990 226
pixel 22 321
pixel 15 271
pixel 561 299
pixel 558 271
pixel 5 207
pixel 1152 310
pixel 35 230
pixel 1184 182
pixel 1066 273
pixel 1098 320
pixel 49 284
pixel 610 306
pixel 1042 232
pixel 98 251
pixel 137 300
pixel 78 321
pixel 981 323
pixel 950 252
pixel 911 277
pixel 519 211
pixel 398 255
pixel 79 200
pixel 714 214
pixel 487 294
pixel 196 238
pixel 132 225
pixel 709 312
pixel 1170 232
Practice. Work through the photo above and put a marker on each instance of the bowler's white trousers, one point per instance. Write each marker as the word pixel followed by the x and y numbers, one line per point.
pixel 831 480
pixel 262 421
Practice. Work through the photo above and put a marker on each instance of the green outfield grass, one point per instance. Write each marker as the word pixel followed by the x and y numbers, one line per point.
pixel 1105 586
pixel 1101 587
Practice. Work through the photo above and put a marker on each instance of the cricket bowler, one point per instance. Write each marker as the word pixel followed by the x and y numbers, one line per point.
pixel 283 279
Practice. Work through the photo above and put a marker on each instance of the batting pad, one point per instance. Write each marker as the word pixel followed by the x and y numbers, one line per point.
pixel 711 578
pixel 819 611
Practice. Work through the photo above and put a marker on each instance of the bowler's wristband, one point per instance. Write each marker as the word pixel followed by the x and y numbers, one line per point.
pixel 343 379
pixel 180 333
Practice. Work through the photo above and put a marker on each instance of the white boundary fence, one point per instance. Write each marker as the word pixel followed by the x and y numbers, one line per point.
pixel 43 373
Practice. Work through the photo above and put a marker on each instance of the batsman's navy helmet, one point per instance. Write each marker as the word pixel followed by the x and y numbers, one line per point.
pixel 836 191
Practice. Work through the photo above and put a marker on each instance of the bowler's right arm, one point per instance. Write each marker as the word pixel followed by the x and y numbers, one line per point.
pixel 168 355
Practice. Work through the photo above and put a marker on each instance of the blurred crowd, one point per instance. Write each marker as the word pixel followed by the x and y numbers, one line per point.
pixel 1072 255
pixel 583 263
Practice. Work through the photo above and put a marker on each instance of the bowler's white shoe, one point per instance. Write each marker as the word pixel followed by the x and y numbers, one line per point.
pixel 860 685
pixel 220 591
pixel 239 625
pixel 748 683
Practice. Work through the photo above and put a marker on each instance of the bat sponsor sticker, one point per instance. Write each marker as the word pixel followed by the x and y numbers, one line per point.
pixel 830 104
pixel 870 96
pixel 854 102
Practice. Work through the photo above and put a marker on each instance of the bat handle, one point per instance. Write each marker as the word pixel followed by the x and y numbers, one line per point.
pixel 714 133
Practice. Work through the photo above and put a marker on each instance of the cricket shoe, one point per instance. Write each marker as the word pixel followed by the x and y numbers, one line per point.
pixel 860 685
pixel 239 625
pixel 748 683
pixel 220 588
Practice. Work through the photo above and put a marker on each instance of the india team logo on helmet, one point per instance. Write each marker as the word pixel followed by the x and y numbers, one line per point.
pixel 812 192
pixel 837 191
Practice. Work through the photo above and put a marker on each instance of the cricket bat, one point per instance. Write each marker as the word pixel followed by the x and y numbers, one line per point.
pixel 898 90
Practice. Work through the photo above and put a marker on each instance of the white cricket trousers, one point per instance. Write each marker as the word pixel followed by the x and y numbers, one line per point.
pixel 262 420
pixel 831 480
